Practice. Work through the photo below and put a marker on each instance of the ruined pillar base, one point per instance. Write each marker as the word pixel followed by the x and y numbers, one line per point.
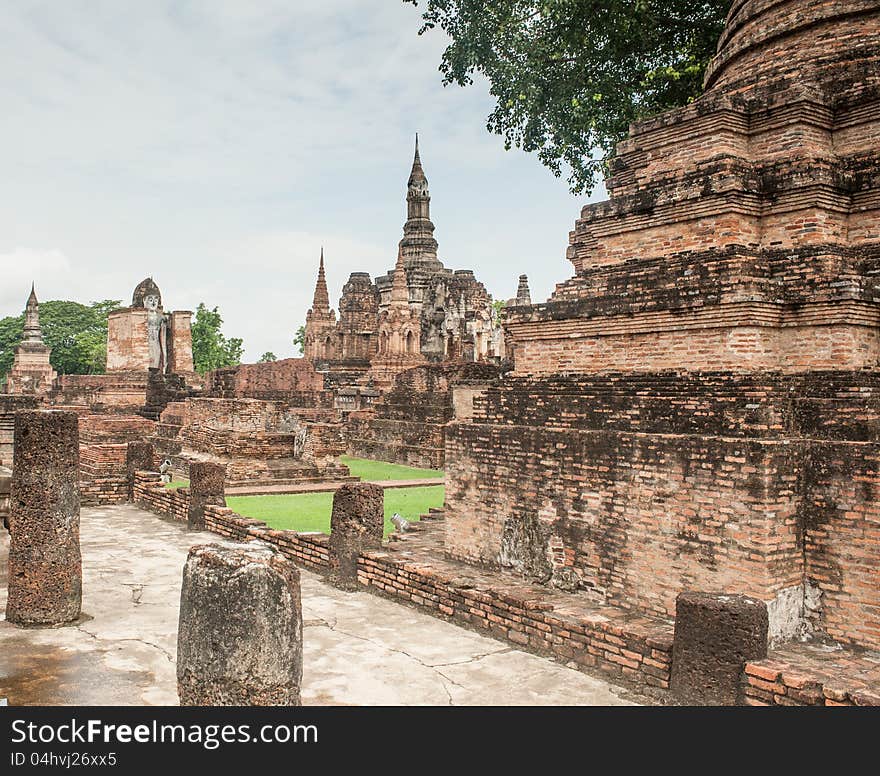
pixel 207 487
pixel 715 634
pixel 239 639
pixel 357 523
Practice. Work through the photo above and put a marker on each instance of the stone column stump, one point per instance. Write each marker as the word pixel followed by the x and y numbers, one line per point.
pixel 139 456
pixel 207 487
pixel 239 640
pixel 715 634
pixel 45 565
pixel 356 524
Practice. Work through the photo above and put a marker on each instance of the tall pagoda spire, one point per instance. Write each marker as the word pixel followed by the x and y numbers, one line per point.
pixel 418 243
pixel 523 295
pixel 31 371
pixel 321 300
pixel 32 331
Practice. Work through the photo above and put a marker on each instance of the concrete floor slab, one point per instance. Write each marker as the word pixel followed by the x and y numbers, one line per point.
pixel 359 649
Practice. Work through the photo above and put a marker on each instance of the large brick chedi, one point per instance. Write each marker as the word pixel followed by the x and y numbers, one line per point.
pixel 45 566
pixel 698 407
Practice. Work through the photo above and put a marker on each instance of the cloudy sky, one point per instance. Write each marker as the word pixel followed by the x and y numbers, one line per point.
pixel 217 144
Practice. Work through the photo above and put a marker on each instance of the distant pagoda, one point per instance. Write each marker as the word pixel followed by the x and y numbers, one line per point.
pixel 31 371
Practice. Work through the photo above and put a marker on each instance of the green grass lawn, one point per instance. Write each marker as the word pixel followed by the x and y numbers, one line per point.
pixel 368 471
pixel 373 471
pixel 311 511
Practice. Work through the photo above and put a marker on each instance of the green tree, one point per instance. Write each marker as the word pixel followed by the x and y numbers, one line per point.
pixel 267 357
pixel 76 333
pixel 299 339
pixel 211 349
pixel 568 76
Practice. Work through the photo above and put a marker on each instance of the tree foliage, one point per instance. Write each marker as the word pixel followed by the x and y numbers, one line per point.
pixel 267 357
pixel 76 333
pixel 569 76
pixel 211 348
pixel 299 339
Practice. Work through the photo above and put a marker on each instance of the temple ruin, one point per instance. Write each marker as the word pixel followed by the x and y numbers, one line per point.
pixel 31 371
pixel 668 472
pixel 418 312
pixel 696 408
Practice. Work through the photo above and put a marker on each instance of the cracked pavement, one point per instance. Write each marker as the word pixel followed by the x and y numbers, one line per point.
pixel 359 649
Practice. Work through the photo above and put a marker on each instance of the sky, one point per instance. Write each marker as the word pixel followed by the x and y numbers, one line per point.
pixel 216 145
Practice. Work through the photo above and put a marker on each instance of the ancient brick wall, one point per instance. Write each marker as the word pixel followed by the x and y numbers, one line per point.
pixel 406 425
pixel 737 309
pixel 647 485
pixel 103 444
pixel 180 356
pixel 124 392
pixel 261 442
pixel 127 340
pixel 741 237
pixel 151 494
pixel 292 379
pixel 824 681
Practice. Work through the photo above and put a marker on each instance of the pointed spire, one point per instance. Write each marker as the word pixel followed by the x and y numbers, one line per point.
pixel 523 295
pixel 321 300
pixel 32 331
pixel 399 286
pixel 418 174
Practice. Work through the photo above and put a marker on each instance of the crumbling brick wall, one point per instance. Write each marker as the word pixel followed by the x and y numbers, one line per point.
pixel 646 485
pixel 406 425
pixel 293 380
pixel 103 444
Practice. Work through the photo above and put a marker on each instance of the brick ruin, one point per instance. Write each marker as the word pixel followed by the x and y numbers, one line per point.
pixel 144 336
pixel 31 372
pixel 294 380
pixel 407 424
pixel 691 418
pixel 419 311
pixel 149 362
pixel 265 445
pixel 696 408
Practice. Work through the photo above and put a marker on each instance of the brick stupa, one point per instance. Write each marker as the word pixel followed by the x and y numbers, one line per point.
pixel 698 407
pixel 31 372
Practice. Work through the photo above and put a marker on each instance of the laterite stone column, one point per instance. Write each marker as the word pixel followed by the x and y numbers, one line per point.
pixel 239 639
pixel 207 487
pixel 45 565
pixel 356 524
pixel 715 634
pixel 139 456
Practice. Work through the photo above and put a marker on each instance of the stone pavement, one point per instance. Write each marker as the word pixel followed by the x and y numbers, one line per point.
pixel 358 648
